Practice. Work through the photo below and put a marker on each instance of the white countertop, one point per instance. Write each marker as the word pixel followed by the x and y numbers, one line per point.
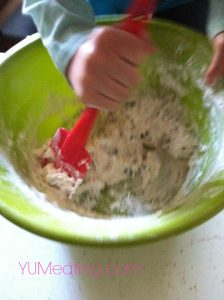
pixel 187 267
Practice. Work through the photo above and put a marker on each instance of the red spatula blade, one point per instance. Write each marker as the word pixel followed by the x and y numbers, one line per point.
pixel 69 150
pixel 75 164
pixel 56 143
pixel 58 139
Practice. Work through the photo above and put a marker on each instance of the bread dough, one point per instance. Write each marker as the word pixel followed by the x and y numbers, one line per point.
pixel 141 156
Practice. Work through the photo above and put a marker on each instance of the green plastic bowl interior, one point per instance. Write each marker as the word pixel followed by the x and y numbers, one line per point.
pixel 35 100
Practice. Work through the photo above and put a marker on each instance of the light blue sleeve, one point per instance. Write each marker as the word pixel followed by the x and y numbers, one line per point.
pixel 63 25
pixel 215 18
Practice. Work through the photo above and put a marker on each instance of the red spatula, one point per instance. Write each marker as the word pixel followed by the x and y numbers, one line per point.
pixel 69 146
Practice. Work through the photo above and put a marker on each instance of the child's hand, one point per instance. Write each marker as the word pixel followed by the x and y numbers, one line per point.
pixel 215 71
pixel 106 66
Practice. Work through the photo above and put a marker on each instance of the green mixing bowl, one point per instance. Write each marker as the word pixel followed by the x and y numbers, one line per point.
pixel 35 100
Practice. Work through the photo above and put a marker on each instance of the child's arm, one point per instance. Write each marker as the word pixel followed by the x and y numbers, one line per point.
pixel 63 24
pixel 216 31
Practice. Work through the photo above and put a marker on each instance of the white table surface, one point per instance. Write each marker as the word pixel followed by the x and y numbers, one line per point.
pixel 187 267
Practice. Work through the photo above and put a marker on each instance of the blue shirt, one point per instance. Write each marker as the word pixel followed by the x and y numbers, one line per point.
pixel 103 7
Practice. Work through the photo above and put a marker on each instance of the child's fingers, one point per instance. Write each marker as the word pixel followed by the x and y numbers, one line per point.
pixel 98 100
pixel 124 73
pixel 136 50
pixel 125 44
pixel 114 90
pixel 108 87
pixel 215 70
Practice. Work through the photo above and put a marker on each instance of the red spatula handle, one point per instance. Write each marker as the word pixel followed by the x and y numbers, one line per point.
pixel 81 130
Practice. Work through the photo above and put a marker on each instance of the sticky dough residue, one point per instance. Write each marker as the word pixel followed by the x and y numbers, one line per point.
pixel 141 155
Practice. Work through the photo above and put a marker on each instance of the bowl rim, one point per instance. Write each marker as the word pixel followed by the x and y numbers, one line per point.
pixel 176 224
